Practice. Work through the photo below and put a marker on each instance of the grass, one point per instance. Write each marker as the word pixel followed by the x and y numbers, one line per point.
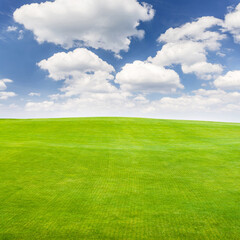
pixel 119 178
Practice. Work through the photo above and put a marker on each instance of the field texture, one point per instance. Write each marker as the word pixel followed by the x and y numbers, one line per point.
pixel 116 178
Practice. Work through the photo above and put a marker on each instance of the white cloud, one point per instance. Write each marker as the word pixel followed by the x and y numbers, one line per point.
pixel 3 82
pixel 191 56
pixel 232 23
pixel 81 70
pixel 12 29
pixel 40 106
pixel 146 77
pixel 230 81
pixel 196 31
pixel 62 65
pixel 203 70
pixel 182 52
pixel 33 94
pixel 105 24
pixel 188 46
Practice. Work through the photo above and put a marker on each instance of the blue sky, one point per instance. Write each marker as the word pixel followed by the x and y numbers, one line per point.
pixel 112 68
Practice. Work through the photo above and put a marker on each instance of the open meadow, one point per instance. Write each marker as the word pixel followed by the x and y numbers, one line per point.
pixel 119 178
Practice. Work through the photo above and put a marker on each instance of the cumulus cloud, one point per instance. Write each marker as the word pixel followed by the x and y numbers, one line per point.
pixel 188 46
pixel 146 77
pixel 230 81
pixel 197 31
pixel 81 70
pixel 182 52
pixel 203 70
pixel 232 23
pixel 105 24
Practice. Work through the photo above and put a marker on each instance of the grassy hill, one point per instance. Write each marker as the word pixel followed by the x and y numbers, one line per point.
pixel 119 178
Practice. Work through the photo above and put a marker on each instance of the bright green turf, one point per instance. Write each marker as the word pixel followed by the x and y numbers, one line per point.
pixel 116 178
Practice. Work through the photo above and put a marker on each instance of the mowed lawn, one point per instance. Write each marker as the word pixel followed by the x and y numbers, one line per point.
pixel 119 178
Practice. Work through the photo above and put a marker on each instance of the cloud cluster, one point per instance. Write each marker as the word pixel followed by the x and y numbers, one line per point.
pixel 83 71
pixel 201 104
pixel 187 46
pixel 90 86
pixel 105 24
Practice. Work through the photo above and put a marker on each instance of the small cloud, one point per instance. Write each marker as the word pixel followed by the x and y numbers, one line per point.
pixel 6 95
pixel 33 94
pixel 230 8
pixel 118 56
pixel 20 35
pixel 12 29
pixel 15 29
pixel 13 106
pixel 220 54
pixel 3 82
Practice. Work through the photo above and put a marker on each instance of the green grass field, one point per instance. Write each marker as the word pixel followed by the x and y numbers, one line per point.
pixel 119 178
